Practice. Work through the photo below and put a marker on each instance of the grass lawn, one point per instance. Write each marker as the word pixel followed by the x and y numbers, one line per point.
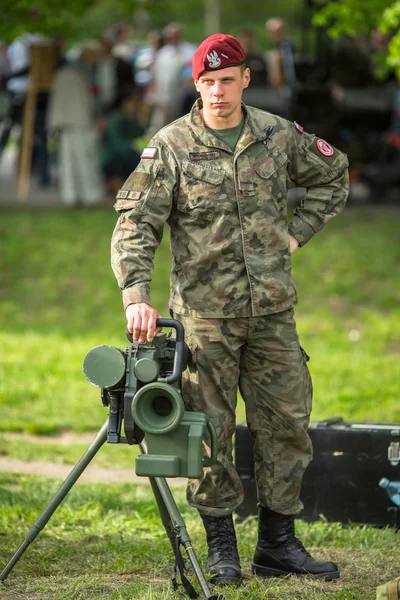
pixel 58 299
pixel 108 543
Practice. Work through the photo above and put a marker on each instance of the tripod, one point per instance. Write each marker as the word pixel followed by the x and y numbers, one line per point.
pixel 169 512
pixel 119 403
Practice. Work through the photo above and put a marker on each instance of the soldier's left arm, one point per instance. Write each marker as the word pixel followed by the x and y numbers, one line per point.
pixel 323 171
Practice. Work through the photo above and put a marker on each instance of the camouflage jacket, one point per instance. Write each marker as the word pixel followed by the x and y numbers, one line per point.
pixel 227 213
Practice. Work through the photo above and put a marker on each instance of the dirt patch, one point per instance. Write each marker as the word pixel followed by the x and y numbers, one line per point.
pixel 66 438
pixel 91 474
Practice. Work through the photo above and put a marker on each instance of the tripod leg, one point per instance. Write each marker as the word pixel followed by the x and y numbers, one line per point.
pixel 176 528
pixel 165 518
pixel 44 518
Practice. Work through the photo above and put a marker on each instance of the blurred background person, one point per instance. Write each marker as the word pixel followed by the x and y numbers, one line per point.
pixel 71 113
pixel 41 156
pixel 114 74
pixel 17 79
pixel 169 63
pixel 255 58
pixel 124 45
pixel 118 157
pixel 5 100
pixel 142 62
pixel 259 93
pixel 282 71
pixel 189 93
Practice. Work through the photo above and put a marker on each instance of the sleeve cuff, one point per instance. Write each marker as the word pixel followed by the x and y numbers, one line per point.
pixel 135 295
pixel 300 230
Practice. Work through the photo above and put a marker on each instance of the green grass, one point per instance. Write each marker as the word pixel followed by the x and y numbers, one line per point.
pixel 107 542
pixel 58 299
pixel 53 450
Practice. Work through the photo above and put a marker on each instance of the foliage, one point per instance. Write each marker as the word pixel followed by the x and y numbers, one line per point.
pixel 357 17
pixel 83 19
pixel 44 16
pixel 391 22
pixel 77 19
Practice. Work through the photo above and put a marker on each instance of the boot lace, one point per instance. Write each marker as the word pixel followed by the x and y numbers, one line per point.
pixel 298 544
pixel 288 532
pixel 222 538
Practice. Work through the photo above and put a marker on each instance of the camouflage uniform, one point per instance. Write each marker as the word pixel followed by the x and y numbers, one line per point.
pixel 263 356
pixel 231 282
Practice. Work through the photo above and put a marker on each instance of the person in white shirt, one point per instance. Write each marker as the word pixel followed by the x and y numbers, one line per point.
pixel 167 69
pixel 71 113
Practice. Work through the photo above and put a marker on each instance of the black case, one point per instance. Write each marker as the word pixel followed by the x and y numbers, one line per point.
pixel 342 481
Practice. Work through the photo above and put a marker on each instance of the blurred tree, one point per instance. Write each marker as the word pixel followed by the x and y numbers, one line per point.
pixel 361 17
pixel 78 19
pixel 43 16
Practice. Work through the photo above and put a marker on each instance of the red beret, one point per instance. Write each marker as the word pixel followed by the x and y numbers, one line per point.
pixel 218 51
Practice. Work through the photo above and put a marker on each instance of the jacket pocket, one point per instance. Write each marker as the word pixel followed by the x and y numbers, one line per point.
pixel 271 180
pixel 307 382
pixel 199 190
pixel 306 357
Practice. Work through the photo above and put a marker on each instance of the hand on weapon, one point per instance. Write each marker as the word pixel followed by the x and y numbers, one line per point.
pixel 142 320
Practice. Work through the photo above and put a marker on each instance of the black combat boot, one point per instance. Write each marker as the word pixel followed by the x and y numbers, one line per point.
pixel 223 561
pixel 279 552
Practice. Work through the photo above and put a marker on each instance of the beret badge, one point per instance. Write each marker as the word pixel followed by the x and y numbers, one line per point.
pixel 214 60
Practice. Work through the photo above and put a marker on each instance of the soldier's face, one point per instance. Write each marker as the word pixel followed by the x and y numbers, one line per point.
pixel 221 91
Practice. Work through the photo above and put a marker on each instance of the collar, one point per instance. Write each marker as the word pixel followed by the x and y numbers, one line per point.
pixel 251 132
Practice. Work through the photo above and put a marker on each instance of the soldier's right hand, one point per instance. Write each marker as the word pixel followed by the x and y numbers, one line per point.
pixel 141 320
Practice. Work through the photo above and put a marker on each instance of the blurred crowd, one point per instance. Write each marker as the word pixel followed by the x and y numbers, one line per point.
pixel 108 96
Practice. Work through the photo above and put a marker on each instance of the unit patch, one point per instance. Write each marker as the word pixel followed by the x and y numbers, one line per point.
pixel 203 155
pixel 268 135
pixel 128 195
pixel 149 152
pixel 325 148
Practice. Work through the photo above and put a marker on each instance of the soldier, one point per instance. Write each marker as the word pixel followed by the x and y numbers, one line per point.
pixel 219 177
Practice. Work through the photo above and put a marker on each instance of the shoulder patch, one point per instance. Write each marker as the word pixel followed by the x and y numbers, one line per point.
pixel 136 181
pixel 299 128
pixel 149 152
pixel 325 148
pixel 323 151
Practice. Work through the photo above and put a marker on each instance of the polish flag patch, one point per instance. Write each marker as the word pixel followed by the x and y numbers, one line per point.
pixel 149 152
pixel 325 148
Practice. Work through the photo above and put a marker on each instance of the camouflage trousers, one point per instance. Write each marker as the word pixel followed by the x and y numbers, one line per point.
pixel 262 357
